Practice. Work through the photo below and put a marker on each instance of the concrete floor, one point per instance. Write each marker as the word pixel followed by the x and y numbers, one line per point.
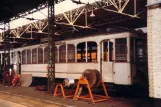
pixel 4 103
pixel 30 97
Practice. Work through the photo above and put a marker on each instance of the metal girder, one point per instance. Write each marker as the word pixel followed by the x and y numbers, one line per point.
pixel 73 15
pixel 40 25
pixel 18 32
pixel 116 6
pixel 120 6
pixel 51 45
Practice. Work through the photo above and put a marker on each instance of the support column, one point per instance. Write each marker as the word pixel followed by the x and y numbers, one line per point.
pixel 154 49
pixel 51 44
pixel 7 45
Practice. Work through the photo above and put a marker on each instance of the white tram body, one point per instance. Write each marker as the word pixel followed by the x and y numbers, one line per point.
pixel 114 55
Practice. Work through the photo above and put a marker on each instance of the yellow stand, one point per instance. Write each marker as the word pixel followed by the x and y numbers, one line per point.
pixel 93 97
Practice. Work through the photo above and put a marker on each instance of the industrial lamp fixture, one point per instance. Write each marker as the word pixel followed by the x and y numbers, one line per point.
pixel 39 31
pixel 92 14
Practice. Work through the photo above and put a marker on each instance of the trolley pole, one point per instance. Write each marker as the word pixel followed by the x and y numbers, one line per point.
pixel 51 45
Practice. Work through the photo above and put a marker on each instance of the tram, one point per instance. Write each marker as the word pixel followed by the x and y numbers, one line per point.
pixel 120 57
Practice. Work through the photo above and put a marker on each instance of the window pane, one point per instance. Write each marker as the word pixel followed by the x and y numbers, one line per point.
pixel 40 55
pixel 46 54
pixel 62 53
pixel 121 50
pixel 28 56
pixel 71 53
pixel 34 56
pixel 105 51
pixel 56 54
pixel 92 51
pixel 111 51
pixel 24 57
pixel 81 52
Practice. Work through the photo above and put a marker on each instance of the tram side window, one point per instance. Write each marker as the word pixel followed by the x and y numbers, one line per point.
pixel 56 54
pixel 107 51
pixel 24 57
pixel 71 53
pixel 28 56
pixel 81 52
pixel 121 50
pixel 34 56
pixel 40 55
pixel 46 54
pixel 92 51
pixel 62 53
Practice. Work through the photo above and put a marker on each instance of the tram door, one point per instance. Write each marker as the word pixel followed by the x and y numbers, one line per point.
pixel 122 71
pixel 107 60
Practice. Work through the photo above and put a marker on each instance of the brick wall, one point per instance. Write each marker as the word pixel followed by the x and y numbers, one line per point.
pixel 154 51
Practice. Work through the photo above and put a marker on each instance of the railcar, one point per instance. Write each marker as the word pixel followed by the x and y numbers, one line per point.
pixel 120 57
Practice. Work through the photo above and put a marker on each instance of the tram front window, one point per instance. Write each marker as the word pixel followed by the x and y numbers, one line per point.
pixel 121 49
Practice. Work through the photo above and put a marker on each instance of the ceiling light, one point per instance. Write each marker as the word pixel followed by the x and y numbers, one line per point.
pixel 92 14
pixel 40 31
